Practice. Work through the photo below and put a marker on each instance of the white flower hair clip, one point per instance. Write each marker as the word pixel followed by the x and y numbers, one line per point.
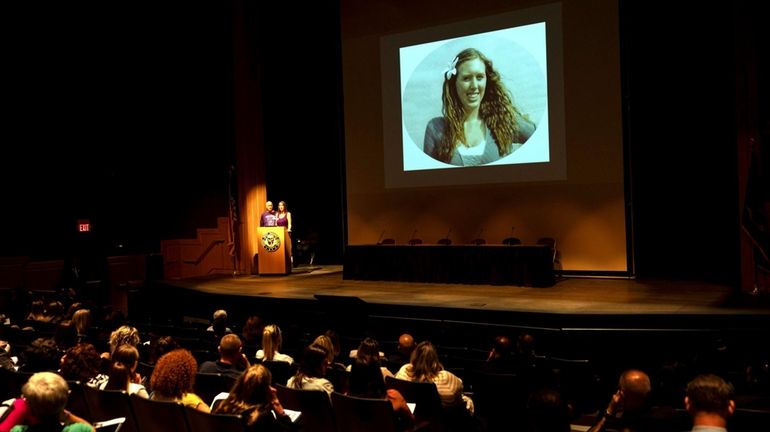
pixel 451 69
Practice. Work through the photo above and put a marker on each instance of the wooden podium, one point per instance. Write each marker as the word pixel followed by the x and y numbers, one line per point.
pixel 274 250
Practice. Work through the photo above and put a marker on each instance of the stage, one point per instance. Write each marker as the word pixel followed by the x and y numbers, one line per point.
pixel 572 296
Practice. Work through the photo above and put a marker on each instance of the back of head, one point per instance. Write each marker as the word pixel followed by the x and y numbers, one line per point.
pixel 406 344
pixel 335 339
pixel 636 389
pixel 174 374
pixel 313 361
pixel 119 377
pixel 220 314
pixel 368 348
pixel 127 355
pixel 366 378
pixel 41 355
pixel 161 346
pixel 425 363
pixel 326 343
pixel 46 394
pixel 124 335
pixel 547 412
pixel 230 347
pixel 271 340
pixel 252 330
pixel 709 394
pixel 502 347
pixel 81 319
pixel 251 389
pixel 81 363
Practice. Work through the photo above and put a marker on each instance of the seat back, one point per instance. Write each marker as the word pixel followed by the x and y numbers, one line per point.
pixel 388 241
pixel 360 414
pixel 423 394
pixel 317 414
pixel 209 385
pixel 158 416
pixel 444 241
pixel 200 421
pixel 499 398
pixel 280 370
pixel 11 383
pixel 340 379
pixel 478 241
pixel 109 404
pixel 414 241
pixel 511 241
pixel 76 402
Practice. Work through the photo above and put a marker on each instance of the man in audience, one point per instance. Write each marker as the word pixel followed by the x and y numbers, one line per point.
pixel 219 323
pixel 630 407
pixel 709 400
pixel 500 359
pixel 232 362
pixel 403 351
pixel 46 396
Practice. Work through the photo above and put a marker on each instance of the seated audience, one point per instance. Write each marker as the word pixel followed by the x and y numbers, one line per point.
pixel 41 355
pixel 547 412
pixel 369 348
pixel 45 394
pixel 710 403
pixel 82 363
pixel 424 366
pixel 219 324
pixel 123 374
pixel 251 336
pixel 124 335
pixel 271 344
pixel 403 351
pixel 173 379
pixel 161 346
pixel 311 372
pixel 232 362
pixel 501 359
pixel 254 398
pixel 366 381
pixel 630 407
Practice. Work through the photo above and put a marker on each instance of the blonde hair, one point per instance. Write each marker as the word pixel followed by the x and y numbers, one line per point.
pixel 271 341
pixel 124 335
pixel 81 319
pixel 46 394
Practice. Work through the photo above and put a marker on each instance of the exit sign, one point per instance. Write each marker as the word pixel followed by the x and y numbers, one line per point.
pixel 84 225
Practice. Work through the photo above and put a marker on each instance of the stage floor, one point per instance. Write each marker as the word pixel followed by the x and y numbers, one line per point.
pixel 571 295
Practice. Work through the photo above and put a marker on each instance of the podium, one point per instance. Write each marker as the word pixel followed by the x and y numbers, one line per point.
pixel 273 250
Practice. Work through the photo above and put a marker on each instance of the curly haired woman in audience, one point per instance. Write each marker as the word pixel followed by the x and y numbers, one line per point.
pixel 253 397
pixel 173 379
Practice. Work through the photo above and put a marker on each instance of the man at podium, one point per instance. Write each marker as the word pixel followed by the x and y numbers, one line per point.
pixel 268 218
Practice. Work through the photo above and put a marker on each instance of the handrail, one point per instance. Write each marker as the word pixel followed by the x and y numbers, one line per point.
pixel 204 253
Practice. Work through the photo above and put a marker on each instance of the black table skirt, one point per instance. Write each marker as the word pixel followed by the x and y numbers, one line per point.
pixel 467 264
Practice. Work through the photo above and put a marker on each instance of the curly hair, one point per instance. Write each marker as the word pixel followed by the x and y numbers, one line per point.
pixel 174 374
pixel 497 110
pixel 124 335
pixel 251 390
pixel 81 363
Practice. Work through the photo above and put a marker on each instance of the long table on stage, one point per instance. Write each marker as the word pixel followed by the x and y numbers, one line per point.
pixel 469 264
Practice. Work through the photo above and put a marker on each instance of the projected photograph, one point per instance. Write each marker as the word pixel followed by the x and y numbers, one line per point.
pixel 475 100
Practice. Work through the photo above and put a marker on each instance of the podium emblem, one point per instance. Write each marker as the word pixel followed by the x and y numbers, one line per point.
pixel 271 242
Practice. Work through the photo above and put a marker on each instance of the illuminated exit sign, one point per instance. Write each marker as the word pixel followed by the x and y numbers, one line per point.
pixel 84 225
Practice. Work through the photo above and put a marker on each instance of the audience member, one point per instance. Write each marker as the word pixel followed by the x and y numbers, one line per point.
pixel 403 351
pixel 366 381
pixel 369 348
pixel 219 323
pixel 547 412
pixel 82 363
pixel 251 336
pixel 254 398
pixel 161 346
pixel 424 366
pixel 125 360
pixel 271 344
pixel 311 372
pixel 710 403
pixel 630 407
pixel 45 394
pixel 41 355
pixel 500 358
pixel 124 335
pixel 173 379
pixel 232 362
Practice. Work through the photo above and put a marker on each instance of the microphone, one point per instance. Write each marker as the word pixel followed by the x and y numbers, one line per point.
pixel 379 240
pixel 448 232
pixel 481 230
